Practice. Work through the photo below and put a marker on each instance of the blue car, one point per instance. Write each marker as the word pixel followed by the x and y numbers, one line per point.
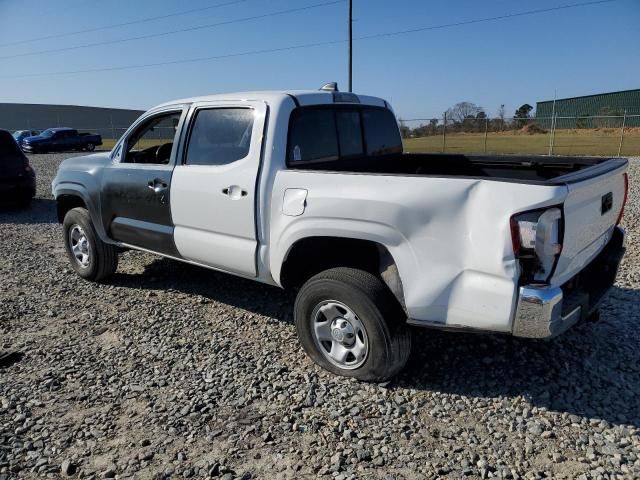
pixel 17 178
pixel 20 135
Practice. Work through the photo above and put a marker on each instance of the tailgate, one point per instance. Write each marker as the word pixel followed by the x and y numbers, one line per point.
pixel 591 210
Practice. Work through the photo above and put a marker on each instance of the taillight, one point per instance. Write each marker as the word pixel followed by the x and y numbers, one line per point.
pixel 515 236
pixel 536 238
pixel 27 167
pixel 625 175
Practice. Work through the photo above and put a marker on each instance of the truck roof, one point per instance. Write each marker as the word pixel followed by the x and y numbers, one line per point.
pixel 303 97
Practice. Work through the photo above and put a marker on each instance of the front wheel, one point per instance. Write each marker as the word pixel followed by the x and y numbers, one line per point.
pixel 90 147
pixel 90 257
pixel 350 324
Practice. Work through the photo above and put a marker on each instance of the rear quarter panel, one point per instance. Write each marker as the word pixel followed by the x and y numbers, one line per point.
pixel 450 237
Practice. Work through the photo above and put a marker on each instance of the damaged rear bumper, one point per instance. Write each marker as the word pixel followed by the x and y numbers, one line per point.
pixel 544 311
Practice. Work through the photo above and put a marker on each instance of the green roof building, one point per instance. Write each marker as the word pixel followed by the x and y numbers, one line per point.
pixel 582 110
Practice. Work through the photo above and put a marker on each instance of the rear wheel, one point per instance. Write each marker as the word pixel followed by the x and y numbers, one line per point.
pixel 90 257
pixel 350 324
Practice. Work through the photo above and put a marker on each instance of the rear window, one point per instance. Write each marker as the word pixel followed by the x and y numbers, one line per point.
pixel 318 134
pixel 381 132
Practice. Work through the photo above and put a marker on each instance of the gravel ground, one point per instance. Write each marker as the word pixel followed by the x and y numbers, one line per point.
pixel 169 370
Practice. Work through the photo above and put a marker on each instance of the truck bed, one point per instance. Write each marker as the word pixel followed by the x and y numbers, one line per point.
pixel 518 168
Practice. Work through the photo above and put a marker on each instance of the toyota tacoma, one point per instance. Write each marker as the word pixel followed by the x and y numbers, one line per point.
pixel 311 190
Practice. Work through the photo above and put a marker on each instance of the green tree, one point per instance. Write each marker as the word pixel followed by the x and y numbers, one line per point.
pixel 405 131
pixel 523 113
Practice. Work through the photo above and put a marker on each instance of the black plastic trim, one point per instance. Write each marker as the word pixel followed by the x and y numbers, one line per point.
pixel 256 194
pixel 563 180
pixel 295 100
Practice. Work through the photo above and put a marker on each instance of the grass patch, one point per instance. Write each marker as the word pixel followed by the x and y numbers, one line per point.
pixel 603 142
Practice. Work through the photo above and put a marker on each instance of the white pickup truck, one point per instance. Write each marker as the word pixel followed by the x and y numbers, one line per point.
pixel 311 190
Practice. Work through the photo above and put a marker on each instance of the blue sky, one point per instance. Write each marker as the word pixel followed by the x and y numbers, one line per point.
pixel 572 52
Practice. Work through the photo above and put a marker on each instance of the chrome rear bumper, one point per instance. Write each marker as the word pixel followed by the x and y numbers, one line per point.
pixel 544 311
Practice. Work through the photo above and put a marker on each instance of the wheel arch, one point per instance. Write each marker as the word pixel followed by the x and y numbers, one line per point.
pixel 68 201
pixel 73 196
pixel 310 255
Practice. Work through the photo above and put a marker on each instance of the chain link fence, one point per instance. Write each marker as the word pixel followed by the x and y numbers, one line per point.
pixel 609 135
pixel 606 135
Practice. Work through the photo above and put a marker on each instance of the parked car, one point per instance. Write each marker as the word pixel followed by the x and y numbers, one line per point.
pixel 17 178
pixel 60 140
pixel 20 135
pixel 312 191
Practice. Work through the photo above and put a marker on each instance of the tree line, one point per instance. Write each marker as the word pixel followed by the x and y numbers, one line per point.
pixel 469 117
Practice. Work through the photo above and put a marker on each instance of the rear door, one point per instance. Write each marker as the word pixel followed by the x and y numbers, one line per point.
pixel 135 193
pixel 63 140
pixel 213 189
pixel 591 210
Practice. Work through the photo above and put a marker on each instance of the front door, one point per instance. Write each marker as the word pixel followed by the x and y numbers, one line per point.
pixel 213 188
pixel 135 194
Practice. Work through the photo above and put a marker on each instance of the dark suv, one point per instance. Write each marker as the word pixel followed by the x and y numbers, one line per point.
pixel 17 178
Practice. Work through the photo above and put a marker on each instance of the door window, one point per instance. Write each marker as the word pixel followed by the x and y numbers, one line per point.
pixel 220 136
pixel 152 141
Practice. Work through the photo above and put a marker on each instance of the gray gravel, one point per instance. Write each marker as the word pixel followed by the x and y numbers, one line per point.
pixel 169 370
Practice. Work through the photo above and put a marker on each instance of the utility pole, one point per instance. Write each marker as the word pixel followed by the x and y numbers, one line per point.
pixel 351 45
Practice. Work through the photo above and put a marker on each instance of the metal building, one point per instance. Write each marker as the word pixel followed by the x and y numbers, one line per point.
pixel 109 122
pixel 591 111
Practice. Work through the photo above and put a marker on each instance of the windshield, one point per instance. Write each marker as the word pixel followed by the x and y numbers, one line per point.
pixel 48 132
pixel 17 133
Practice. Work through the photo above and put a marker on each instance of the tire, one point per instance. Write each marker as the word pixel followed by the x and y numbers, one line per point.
pixel 102 258
pixel 90 147
pixel 367 304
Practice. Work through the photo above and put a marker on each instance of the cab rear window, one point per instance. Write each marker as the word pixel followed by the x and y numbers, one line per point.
pixel 330 133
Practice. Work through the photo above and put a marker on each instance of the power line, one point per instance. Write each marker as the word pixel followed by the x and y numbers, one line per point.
pixel 172 32
pixel 176 62
pixel 486 19
pixel 308 45
pixel 116 25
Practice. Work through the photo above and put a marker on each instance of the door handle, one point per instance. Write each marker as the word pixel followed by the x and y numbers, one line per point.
pixel 157 186
pixel 234 192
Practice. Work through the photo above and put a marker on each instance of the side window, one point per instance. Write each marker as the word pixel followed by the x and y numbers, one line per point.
pixel 152 141
pixel 312 136
pixel 220 136
pixel 381 132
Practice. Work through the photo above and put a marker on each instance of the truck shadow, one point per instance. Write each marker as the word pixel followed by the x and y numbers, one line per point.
pixel 592 371
pixel 164 274
pixel 41 210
